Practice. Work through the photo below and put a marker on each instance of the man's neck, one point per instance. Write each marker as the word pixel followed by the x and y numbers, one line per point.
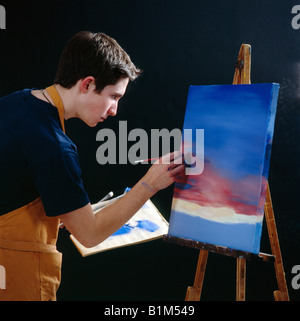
pixel 67 97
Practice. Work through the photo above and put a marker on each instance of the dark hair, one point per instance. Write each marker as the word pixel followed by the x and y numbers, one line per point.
pixel 97 55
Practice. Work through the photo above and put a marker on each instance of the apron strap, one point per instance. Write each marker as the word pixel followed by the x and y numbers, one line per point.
pixel 52 91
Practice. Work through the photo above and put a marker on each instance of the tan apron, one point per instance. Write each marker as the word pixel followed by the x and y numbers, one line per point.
pixel 28 247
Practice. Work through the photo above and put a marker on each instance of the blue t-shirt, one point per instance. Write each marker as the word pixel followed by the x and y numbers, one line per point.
pixel 36 157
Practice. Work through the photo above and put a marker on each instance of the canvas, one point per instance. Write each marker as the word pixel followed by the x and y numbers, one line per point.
pixel 146 225
pixel 224 205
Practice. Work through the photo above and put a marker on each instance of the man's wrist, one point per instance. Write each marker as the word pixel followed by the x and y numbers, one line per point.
pixel 148 187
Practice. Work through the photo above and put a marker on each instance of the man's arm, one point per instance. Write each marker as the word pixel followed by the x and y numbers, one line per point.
pixel 91 229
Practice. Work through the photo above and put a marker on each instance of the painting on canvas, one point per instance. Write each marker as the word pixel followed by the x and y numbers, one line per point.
pixel 224 204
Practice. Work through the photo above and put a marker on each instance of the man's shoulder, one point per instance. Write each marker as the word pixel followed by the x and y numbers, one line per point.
pixel 34 124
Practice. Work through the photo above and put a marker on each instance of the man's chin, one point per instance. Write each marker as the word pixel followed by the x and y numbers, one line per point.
pixel 92 123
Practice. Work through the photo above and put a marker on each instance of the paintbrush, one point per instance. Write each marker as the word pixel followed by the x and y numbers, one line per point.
pixel 152 159
pixel 102 204
pixel 146 160
pixel 97 205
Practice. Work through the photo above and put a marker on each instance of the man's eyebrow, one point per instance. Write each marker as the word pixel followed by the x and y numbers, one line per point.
pixel 118 94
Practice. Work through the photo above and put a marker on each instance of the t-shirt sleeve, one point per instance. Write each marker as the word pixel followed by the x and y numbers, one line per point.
pixel 58 181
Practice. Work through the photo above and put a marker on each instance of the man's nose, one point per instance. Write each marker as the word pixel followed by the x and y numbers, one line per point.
pixel 113 110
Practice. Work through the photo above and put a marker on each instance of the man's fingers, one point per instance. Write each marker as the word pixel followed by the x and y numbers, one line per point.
pixel 176 157
pixel 175 169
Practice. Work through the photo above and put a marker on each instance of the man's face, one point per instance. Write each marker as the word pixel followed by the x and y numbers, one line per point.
pixel 97 107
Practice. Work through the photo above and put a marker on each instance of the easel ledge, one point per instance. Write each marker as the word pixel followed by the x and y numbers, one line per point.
pixel 217 249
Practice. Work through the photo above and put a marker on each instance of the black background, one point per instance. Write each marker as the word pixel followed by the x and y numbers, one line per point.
pixel 177 43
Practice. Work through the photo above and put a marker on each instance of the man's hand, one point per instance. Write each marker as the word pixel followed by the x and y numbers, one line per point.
pixel 163 172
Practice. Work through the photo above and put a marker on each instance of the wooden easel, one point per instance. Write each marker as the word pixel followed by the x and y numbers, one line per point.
pixel 241 76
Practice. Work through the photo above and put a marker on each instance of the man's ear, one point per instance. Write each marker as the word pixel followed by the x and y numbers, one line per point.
pixel 86 83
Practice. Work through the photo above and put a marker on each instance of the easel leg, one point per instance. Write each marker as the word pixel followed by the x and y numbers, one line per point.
pixel 193 293
pixel 240 279
pixel 282 293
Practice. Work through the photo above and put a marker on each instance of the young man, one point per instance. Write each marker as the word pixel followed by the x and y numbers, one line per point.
pixel 40 172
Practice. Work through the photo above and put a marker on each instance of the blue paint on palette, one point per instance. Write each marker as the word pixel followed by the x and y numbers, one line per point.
pixel 123 230
pixel 145 225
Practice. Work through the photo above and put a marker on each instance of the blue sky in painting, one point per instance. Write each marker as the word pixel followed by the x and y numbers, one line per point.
pixel 234 118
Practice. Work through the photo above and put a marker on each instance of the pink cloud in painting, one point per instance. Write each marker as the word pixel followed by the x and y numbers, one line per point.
pixel 212 189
